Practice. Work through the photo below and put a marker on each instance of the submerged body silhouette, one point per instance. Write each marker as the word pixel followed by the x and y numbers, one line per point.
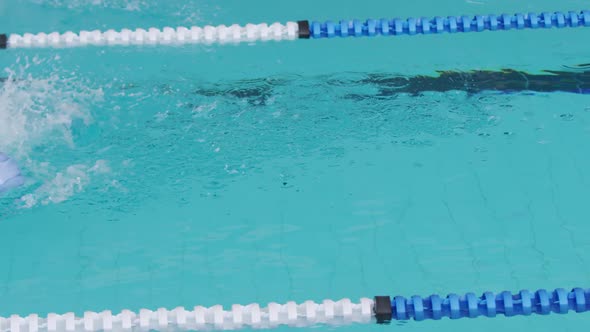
pixel 507 81
pixel 258 92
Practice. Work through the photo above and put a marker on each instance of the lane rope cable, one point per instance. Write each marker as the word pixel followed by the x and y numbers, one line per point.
pixel 235 33
pixel 379 310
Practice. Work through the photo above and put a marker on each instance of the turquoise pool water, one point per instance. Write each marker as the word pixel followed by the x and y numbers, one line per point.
pixel 204 175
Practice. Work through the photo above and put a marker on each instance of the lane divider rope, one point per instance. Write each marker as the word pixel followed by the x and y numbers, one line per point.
pixel 223 34
pixel 380 310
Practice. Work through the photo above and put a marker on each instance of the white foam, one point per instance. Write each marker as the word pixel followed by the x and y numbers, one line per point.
pixel 64 185
pixel 129 5
pixel 204 110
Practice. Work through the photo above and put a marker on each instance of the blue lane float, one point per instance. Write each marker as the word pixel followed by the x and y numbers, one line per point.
pixel 438 25
pixel 453 306
pixel 10 174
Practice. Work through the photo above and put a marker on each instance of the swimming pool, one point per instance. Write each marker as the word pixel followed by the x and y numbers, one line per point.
pixel 203 175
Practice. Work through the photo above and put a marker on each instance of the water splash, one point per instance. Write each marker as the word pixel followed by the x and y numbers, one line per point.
pixel 128 5
pixel 37 113
pixel 34 111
